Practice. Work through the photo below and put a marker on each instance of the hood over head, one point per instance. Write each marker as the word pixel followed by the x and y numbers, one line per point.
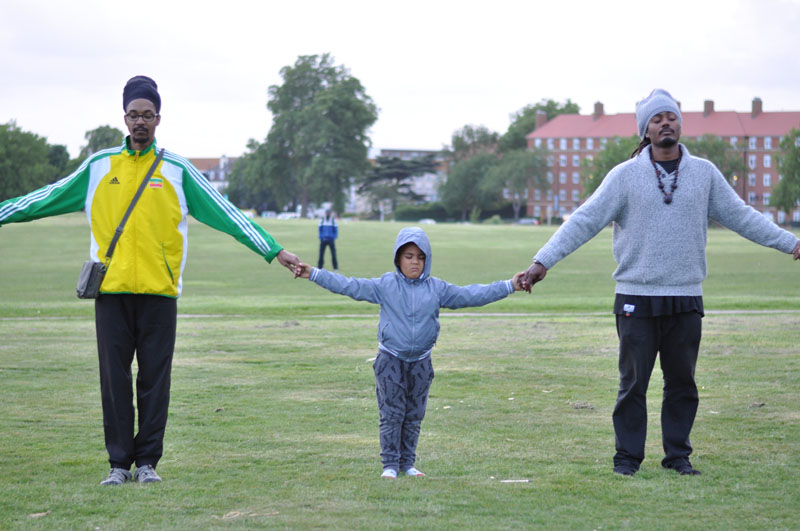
pixel 418 237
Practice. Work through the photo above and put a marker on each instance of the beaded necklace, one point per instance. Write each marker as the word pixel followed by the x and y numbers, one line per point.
pixel 674 185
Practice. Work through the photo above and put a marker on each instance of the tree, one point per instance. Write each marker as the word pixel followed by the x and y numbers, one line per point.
pixel 523 122
pixel 318 139
pixel 713 148
pixel 102 137
pixel 390 178
pixel 249 185
pixel 786 195
pixel 516 171
pixel 24 161
pixel 471 140
pixel 594 170
pixel 463 190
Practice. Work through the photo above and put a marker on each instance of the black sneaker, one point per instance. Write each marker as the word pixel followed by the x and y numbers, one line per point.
pixel 624 470
pixel 684 468
pixel 117 476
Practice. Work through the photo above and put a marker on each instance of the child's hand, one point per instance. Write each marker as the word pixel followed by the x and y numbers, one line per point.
pixel 519 282
pixel 302 270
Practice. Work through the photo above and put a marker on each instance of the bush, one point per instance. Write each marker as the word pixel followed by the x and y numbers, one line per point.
pixel 494 220
pixel 434 210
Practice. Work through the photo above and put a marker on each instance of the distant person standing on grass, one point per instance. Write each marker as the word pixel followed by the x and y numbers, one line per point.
pixel 136 311
pixel 408 326
pixel 660 203
pixel 328 232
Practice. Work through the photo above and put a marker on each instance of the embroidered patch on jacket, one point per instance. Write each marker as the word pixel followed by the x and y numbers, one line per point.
pixel 156 182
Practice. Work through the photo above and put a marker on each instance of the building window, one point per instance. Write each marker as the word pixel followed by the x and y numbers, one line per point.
pixel 751 162
pixel 550 177
pixel 766 196
pixel 751 198
pixel 796 216
pixel 575 195
pixel 781 217
pixel 576 160
pixel 604 141
pixel 537 211
pixel 767 180
pixel 734 140
pixel 549 195
pixel 576 143
pixel 767 142
pixel 797 141
pixel 562 160
pixel 576 178
pixel 752 142
pixel 562 194
pixel 537 195
pixel 767 161
pixel 549 143
pixel 537 142
pixel 550 160
pixel 562 143
pixel 590 143
pixel 590 158
pixel 751 179
pixel 562 177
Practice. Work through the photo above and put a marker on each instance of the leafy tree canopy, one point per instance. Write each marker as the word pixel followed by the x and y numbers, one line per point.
pixel 786 195
pixel 100 138
pixel 594 170
pixel 523 122
pixel 471 140
pixel 715 149
pixel 25 161
pixel 515 171
pixel 463 192
pixel 318 139
pixel 391 178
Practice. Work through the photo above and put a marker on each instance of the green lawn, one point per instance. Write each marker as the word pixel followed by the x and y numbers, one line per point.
pixel 273 421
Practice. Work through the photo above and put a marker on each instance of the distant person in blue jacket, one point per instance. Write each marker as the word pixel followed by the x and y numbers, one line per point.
pixel 328 232
pixel 408 326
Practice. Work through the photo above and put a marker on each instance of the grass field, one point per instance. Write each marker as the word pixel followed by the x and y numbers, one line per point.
pixel 273 421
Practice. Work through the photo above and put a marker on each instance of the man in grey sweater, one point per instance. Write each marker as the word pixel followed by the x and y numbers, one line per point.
pixel 659 202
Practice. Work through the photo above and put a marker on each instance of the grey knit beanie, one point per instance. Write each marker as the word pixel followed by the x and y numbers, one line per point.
pixel 657 102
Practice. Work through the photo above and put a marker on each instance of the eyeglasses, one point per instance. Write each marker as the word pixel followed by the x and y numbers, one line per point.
pixel 147 116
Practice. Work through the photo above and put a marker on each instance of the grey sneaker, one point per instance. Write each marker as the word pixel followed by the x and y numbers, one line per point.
pixel 117 476
pixel 146 474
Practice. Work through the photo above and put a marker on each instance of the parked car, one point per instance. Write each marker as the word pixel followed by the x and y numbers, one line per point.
pixel 427 221
pixel 527 221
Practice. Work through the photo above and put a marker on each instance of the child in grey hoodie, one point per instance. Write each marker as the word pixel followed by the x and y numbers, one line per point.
pixel 407 330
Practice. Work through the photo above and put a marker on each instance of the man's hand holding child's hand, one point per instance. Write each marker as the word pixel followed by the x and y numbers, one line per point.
pixel 518 280
pixel 302 270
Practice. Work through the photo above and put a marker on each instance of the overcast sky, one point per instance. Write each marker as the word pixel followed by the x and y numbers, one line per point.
pixel 430 66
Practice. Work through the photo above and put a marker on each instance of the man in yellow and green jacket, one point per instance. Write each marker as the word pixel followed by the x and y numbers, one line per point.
pixel 136 311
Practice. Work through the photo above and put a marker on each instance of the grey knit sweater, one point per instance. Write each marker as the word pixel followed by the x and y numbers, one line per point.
pixel 660 248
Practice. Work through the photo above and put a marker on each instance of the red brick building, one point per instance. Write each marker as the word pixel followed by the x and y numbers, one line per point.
pixel 571 138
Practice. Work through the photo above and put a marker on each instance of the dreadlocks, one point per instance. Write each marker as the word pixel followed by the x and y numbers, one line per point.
pixel 643 144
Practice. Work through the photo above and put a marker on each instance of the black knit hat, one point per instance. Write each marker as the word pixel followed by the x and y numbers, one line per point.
pixel 141 87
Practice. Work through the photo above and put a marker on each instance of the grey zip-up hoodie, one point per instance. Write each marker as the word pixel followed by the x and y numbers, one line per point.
pixel 409 318
pixel 660 248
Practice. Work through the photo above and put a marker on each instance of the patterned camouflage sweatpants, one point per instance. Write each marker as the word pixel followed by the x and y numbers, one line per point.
pixel 402 389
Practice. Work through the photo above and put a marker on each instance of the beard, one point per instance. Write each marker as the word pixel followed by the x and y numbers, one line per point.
pixel 666 142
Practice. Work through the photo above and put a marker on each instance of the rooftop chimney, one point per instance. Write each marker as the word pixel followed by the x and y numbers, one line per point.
pixel 708 107
pixel 541 119
pixel 757 107
pixel 598 110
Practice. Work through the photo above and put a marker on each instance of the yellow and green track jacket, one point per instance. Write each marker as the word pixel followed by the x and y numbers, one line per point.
pixel 151 254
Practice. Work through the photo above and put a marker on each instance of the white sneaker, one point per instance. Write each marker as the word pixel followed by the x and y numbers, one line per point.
pixel 146 474
pixel 389 473
pixel 414 472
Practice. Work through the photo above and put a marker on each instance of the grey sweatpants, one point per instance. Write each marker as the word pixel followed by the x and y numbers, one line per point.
pixel 402 390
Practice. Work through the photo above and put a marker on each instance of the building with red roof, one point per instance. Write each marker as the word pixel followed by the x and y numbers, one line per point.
pixel 572 138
